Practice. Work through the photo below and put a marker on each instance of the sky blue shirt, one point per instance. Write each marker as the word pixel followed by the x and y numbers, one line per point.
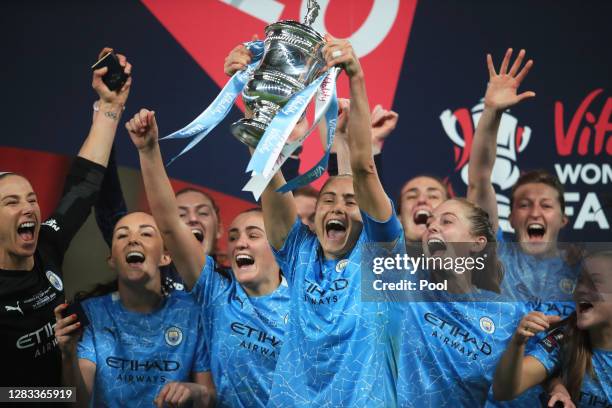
pixel 541 284
pixel 136 354
pixel 338 351
pixel 245 335
pixel 595 392
pixel 449 351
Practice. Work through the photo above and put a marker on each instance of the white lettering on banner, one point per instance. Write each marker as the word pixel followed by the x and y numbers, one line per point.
pixel 589 173
pixel 267 10
pixel 372 32
pixel 590 210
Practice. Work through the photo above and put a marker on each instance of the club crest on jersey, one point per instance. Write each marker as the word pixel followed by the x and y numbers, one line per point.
pixel 341 265
pixel 487 325
pixel 173 336
pixel 55 280
pixel 566 285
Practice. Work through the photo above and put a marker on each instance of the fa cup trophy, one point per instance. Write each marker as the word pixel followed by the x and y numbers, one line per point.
pixel 292 60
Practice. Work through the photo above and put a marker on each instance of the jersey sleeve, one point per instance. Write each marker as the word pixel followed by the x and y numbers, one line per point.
pixel 201 362
pixel 86 348
pixel 382 231
pixel 287 256
pixel 547 351
pixel 209 283
pixel 110 206
pixel 80 193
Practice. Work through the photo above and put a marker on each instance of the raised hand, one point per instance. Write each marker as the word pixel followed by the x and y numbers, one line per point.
pixel 532 324
pixel 238 59
pixel 383 123
pixel 143 130
pixel 503 86
pixel 118 97
pixel 340 52
pixel 560 394
pixel 67 331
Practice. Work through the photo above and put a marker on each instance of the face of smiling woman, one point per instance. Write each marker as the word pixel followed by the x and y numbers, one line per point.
pixel 19 222
pixel 137 250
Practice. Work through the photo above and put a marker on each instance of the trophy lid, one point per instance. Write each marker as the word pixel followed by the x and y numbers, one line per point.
pixel 297 27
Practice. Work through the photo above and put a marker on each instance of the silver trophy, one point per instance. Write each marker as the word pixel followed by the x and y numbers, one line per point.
pixel 292 60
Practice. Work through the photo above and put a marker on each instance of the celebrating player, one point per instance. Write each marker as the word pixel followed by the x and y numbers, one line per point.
pixel 338 350
pixel 580 347
pixel 140 346
pixel 244 311
pixel 32 251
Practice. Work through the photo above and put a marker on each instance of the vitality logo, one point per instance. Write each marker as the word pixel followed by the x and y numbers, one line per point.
pixel 512 139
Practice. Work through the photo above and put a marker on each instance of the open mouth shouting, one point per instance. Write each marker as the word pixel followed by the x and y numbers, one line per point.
pixel 135 259
pixel 198 233
pixel 421 216
pixel 536 231
pixel 335 230
pixel 244 261
pixel 26 230
pixel 584 306
pixel 436 246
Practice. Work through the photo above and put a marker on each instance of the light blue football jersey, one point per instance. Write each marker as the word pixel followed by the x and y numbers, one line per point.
pixel 339 351
pixel 245 335
pixel 449 351
pixel 542 284
pixel 595 392
pixel 136 354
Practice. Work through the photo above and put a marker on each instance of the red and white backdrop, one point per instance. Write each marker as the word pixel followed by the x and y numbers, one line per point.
pixel 423 59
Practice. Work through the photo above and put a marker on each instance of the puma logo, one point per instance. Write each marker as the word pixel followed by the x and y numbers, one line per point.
pixel 14 308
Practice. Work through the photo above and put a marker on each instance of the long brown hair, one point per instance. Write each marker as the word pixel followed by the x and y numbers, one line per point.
pixel 577 349
pixel 577 357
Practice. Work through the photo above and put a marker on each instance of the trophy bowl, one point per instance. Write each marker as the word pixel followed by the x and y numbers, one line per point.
pixel 292 60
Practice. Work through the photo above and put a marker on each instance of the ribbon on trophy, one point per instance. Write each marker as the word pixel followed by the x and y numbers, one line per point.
pixel 272 151
pixel 201 126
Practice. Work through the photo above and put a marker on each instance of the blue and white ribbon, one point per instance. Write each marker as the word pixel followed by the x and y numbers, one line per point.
pixel 201 126
pixel 273 156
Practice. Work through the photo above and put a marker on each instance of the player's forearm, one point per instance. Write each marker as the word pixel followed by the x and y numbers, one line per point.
pixel 99 142
pixel 484 148
pixel 507 380
pixel 160 194
pixel 279 211
pixel 72 377
pixel 360 139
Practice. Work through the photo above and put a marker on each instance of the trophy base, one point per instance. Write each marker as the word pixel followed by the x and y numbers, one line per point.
pixel 248 131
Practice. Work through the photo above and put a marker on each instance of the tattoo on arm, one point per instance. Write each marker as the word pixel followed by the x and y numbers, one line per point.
pixel 111 115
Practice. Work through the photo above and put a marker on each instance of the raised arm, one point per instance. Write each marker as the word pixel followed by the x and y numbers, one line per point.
pixel 185 250
pixel 110 105
pixel 516 373
pixel 279 210
pixel 369 191
pixel 501 94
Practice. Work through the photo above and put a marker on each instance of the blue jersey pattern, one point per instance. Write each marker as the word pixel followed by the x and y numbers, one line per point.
pixel 245 335
pixel 542 284
pixel 339 351
pixel 449 351
pixel 595 392
pixel 136 354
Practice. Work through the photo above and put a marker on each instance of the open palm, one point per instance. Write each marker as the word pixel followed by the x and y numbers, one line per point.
pixel 502 90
